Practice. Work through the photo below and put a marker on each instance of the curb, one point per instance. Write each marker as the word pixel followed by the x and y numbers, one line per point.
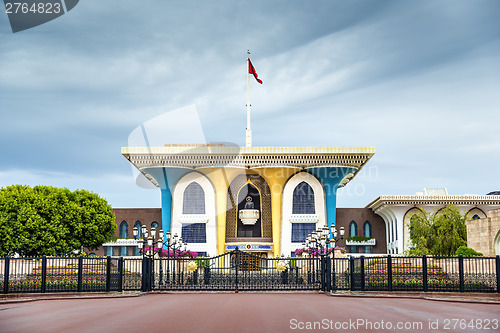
pixel 50 297
pixel 24 298
pixel 440 298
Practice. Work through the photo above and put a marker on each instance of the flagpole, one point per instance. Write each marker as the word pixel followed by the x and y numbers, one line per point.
pixel 249 130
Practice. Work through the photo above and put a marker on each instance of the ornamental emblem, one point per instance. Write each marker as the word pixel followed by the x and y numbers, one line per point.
pixel 192 266
pixel 281 266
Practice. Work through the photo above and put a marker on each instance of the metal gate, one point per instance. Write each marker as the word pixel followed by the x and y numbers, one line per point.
pixel 236 270
pixel 115 276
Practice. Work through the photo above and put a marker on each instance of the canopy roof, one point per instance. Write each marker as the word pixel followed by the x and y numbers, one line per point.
pixel 219 156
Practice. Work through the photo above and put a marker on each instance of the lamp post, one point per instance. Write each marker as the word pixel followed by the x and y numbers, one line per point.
pixel 146 239
pixel 319 243
pixel 174 244
pixel 335 238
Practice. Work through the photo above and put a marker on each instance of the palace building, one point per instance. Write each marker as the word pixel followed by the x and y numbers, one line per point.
pixel 264 200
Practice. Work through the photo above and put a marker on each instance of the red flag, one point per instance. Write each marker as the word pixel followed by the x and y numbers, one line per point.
pixel 251 70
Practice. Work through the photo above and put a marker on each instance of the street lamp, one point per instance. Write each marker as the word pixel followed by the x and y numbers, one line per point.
pixel 174 244
pixel 335 238
pixel 319 241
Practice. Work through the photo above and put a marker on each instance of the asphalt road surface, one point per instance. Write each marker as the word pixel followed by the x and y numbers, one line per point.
pixel 248 312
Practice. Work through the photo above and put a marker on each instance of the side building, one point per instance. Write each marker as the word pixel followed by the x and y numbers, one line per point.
pixel 126 219
pixel 397 211
pixel 382 224
pixel 356 221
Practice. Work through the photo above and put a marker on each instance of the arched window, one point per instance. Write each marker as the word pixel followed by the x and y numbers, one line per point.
pixel 154 224
pixel 124 229
pixel 367 232
pixel 303 199
pixel 476 217
pixel 138 225
pixel 194 199
pixel 353 231
pixel 367 229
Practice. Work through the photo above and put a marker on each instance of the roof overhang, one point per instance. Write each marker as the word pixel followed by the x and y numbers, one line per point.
pixel 423 200
pixel 200 157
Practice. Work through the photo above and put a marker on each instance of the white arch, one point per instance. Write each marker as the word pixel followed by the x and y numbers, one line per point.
pixel 382 212
pixel 406 221
pixel 394 227
pixel 475 211
pixel 287 218
pixel 496 243
pixel 210 213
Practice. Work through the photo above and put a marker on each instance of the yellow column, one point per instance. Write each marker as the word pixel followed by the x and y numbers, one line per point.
pixel 221 179
pixel 276 179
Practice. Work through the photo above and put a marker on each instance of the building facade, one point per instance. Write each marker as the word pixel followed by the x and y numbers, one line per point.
pixel 483 234
pixel 263 200
pixel 397 210
pixel 266 200
pixel 126 219
pixel 365 222
pixel 379 222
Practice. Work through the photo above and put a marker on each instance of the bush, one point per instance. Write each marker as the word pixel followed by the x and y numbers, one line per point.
pixel 358 238
pixel 202 262
pixel 465 251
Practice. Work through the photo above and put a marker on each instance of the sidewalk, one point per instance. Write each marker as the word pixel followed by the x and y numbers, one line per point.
pixel 21 298
pixel 486 298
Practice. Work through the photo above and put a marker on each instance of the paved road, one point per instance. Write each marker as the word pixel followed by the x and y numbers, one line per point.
pixel 247 312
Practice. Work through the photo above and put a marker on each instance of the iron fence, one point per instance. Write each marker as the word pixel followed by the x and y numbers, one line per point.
pixel 239 270
pixel 132 273
pixel 441 274
pixel 236 270
pixel 60 274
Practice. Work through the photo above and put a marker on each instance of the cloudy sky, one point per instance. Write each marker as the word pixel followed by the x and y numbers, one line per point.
pixel 419 80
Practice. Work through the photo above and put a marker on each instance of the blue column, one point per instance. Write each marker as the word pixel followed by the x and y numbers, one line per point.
pixel 166 209
pixel 167 178
pixel 330 177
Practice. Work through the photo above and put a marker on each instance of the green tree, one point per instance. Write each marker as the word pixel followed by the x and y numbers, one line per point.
pixel 438 234
pixel 465 251
pixel 46 220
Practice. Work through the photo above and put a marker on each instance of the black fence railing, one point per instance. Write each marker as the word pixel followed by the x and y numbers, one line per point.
pixel 238 270
pixel 68 274
pixel 446 274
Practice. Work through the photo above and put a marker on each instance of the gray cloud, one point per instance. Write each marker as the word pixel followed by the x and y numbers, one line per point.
pixel 416 79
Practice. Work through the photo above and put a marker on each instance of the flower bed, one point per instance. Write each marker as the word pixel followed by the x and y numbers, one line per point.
pixel 409 276
pixel 65 278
